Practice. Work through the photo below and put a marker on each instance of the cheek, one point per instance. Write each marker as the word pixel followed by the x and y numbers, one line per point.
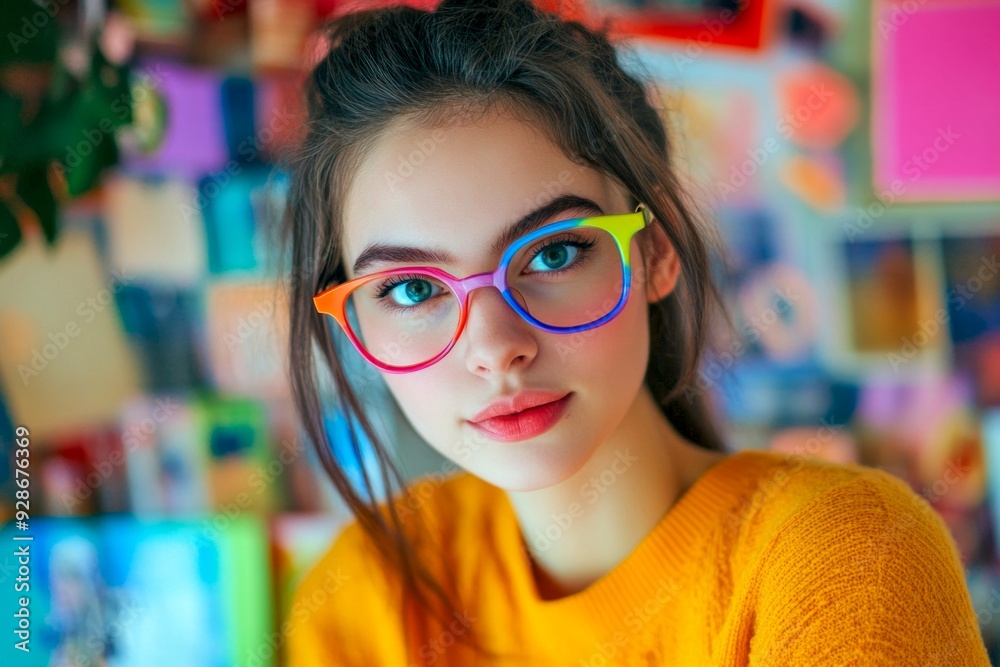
pixel 422 399
pixel 622 342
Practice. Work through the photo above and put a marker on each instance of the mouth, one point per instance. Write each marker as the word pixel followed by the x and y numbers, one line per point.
pixel 526 423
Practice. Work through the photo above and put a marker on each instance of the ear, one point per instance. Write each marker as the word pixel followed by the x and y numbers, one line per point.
pixel 664 265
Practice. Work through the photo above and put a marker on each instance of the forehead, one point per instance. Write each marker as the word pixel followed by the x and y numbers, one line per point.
pixel 454 188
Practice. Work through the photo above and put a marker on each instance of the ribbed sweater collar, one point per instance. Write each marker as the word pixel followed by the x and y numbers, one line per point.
pixel 658 569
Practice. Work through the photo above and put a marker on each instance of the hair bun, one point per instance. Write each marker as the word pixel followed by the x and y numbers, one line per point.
pixel 477 4
pixel 481 5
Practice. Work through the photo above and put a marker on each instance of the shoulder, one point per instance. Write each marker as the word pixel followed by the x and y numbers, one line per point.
pixel 793 505
pixel 845 551
pixel 439 506
pixel 859 518
pixel 771 489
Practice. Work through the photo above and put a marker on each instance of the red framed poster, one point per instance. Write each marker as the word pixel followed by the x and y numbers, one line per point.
pixel 710 23
pixel 738 24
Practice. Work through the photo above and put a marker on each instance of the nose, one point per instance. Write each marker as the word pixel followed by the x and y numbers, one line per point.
pixel 497 339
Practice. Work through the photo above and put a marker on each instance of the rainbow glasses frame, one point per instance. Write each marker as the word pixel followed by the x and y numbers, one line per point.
pixel 622 227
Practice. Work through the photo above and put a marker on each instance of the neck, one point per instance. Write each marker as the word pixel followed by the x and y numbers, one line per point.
pixel 581 528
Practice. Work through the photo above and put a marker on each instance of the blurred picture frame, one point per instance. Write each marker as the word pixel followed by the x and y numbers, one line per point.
pixel 738 24
pixel 887 322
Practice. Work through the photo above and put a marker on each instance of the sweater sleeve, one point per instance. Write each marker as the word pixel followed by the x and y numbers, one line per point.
pixel 344 612
pixel 866 573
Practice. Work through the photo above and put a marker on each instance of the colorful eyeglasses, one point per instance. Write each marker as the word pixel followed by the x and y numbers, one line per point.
pixel 565 277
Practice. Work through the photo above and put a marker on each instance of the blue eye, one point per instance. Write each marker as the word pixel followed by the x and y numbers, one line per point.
pixel 408 292
pixel 553 257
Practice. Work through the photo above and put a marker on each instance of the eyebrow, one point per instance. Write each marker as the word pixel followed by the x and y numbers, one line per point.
pixel 382 252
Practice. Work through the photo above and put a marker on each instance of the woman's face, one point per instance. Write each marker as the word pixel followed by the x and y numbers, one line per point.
pixel 454 190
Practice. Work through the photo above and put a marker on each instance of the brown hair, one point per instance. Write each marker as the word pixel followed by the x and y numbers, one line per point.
pixel 400 63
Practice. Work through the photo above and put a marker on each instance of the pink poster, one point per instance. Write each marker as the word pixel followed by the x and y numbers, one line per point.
pixel 936 99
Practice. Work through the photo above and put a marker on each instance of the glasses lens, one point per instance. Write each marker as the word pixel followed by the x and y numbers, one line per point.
pixel 403 319
pixel 568 278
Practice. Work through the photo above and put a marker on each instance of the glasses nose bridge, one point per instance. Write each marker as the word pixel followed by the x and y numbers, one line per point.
pixel 489 278
pixel 497 278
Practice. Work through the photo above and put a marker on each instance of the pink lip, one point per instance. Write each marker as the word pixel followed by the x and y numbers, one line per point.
pixel 524 416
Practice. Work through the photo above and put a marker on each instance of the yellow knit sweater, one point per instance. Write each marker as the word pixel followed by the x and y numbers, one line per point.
pixel 767 559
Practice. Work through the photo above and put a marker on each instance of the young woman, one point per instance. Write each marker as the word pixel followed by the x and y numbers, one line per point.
pixel 484 207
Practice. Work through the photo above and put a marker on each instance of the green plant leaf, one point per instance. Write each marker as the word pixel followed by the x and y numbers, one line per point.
pixel 10 231
pixel 33 189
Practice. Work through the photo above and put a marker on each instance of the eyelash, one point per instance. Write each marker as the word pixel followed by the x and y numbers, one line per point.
pixel 584 245
pixel 395 281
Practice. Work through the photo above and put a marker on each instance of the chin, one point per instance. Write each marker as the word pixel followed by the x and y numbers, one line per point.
pixel 532 469
pixel 518 481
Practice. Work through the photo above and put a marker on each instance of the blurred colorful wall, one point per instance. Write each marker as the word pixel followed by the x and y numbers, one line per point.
pixel 846 151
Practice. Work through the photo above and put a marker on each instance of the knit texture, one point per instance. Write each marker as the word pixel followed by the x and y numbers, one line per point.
pixel 766 560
